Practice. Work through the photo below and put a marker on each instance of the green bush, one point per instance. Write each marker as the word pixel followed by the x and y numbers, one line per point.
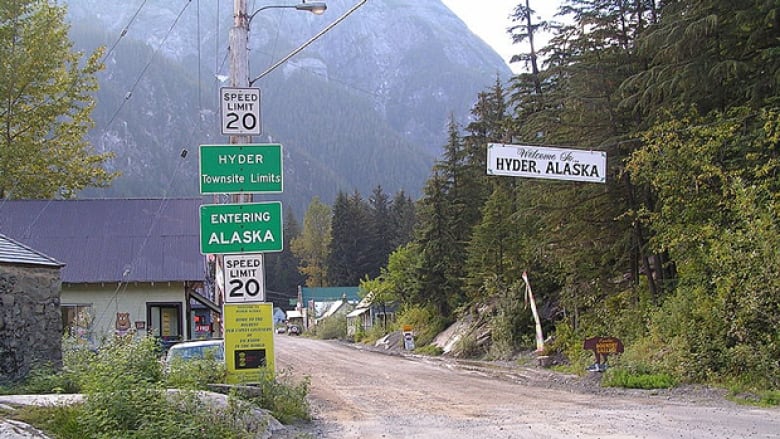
pixel 43 380
pixel 374 333
pixel 334 327
pixel 285 399
pixel 615 377
pixel 60 421
pixel 125 397
pixel 429 349
pixel 195 374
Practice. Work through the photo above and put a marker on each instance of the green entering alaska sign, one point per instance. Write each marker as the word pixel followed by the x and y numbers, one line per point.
pixel 234 169
pixel 241 228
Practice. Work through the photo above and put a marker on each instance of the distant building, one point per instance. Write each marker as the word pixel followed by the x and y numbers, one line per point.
pixel 369 313
pixel 316 301
pixel 30 319
pixel 279 316
pixel 133 266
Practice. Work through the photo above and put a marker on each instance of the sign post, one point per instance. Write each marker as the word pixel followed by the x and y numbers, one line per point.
pixel 240 110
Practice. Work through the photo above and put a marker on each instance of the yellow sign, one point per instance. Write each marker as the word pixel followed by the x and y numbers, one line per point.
pixel 249 341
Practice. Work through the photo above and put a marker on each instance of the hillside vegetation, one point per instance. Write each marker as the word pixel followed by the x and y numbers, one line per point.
pixel 676 254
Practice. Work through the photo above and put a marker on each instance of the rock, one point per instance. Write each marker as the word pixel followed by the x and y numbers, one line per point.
pixel 10 429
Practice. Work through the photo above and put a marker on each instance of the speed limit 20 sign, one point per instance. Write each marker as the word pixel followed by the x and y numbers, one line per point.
pixel 244 278
pixel 240 108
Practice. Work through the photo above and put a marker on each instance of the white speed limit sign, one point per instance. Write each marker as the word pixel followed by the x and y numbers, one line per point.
pixel 244 278
pixel 240 108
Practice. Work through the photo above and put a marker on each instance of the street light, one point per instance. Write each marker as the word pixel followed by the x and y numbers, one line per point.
pixel 238 43
pixel 317 8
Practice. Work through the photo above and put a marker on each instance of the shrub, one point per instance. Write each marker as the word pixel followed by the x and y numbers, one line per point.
pixel 373 333
pixel 285 399
pixel 334 327
pixel 615 377
pixel 430 349
pixel 60 421
pixel 195 374
pixel 126 397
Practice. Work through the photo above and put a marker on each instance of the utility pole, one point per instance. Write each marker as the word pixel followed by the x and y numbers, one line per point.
pixel 239 66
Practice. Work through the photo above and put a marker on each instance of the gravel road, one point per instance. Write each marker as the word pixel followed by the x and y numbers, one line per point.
pixel 364 394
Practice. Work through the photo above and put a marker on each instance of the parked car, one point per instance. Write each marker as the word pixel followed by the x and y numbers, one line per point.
pixel 293 330
pixel 196 350
pixel 281 330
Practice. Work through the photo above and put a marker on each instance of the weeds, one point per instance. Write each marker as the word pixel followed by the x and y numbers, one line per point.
pixel 637 380
pixel 126 396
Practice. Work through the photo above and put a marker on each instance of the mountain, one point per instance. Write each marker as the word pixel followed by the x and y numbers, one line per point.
pixel 366 104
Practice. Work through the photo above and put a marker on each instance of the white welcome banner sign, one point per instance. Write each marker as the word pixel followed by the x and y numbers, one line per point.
pixel 545 162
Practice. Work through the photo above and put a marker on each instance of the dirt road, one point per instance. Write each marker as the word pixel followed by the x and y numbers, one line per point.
pixel 366 395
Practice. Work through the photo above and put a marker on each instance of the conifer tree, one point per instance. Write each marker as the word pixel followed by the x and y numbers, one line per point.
pixel 350 244
pixel 382 231
pixel 403 218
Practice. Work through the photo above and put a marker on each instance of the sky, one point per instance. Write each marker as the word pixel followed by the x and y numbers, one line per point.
pixel 489 19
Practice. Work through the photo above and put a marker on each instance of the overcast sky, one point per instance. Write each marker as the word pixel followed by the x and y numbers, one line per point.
pixel 489 19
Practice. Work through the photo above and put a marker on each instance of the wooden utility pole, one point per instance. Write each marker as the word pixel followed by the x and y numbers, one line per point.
pixel 239 66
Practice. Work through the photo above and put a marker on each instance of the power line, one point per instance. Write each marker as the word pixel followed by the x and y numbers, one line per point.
pixel 122 285
pixel 309 41
pixel 129 94
pixel 124 31
pixel 197 38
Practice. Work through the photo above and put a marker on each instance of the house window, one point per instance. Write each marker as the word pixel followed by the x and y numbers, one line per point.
pixel 164 321
pixel 76 319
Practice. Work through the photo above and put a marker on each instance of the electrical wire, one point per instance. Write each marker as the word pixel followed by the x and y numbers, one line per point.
pixel 122 285
pixel 129 94
pixel 124 32
pixel 197 37
pixel 309 41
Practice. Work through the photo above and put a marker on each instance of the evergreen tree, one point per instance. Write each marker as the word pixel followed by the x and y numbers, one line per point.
pixel 45 105
pixel 439 286
pixel 714 54
pixel 403 218
pixel 586 233
pixel 526 31
pixel 348 259
pixel 717 182
pixel 383 234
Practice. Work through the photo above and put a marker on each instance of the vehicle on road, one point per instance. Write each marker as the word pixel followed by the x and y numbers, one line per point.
pixel 293 330
pixel 281 330
pixel 196 350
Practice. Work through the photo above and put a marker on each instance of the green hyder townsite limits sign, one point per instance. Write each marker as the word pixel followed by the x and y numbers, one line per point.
pixel 234 169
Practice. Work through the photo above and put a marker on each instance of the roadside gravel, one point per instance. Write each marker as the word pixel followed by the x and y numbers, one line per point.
pixel 357 394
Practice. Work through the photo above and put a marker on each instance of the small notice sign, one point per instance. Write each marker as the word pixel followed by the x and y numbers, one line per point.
pixel 249 341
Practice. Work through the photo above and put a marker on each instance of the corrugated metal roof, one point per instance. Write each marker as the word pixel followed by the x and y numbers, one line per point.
pixel 112 240
pixel 330 294
pixel 12 252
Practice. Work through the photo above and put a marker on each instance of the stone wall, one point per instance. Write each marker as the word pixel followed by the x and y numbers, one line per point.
pixel 30 320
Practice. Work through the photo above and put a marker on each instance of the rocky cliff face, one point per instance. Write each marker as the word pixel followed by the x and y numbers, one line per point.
pixel 366 104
